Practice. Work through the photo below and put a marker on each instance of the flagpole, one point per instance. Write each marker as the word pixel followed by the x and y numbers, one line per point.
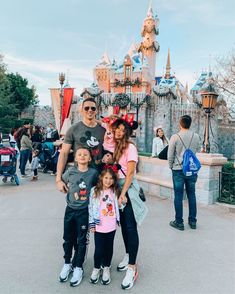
pixel 61 80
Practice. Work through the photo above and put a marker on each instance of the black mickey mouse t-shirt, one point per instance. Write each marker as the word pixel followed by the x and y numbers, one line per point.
pixel 81 135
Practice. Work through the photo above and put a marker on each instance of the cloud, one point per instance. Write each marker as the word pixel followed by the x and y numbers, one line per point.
pixel 210 12
pixel 43 74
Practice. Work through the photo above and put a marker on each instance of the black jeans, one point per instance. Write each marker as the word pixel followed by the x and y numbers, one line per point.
pixel 103 248
pixel 24 156
pixel 179 180
pixel 129 232
pixel 75 235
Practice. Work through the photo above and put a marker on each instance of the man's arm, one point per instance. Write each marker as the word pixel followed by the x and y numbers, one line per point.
pixel 62 160
pixel 171 152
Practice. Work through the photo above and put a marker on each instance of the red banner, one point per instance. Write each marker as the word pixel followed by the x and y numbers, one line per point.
pixel 67 101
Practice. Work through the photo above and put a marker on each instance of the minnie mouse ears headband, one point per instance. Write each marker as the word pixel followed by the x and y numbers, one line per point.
pixel 129 119
pixel 114 167
pixel 109 120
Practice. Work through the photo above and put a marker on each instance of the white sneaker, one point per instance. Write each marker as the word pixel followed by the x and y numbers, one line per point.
pixel 131 275
pixel 95 276
pixel 77 276
pixel 124 263
pixel 66 270
pixel 106 276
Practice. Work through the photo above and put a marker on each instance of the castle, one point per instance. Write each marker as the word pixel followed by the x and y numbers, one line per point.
pixel 132 87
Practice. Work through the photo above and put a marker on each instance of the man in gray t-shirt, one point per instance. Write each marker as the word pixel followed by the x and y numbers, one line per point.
pixel 86 133
pixel 90 137
pixel 175 157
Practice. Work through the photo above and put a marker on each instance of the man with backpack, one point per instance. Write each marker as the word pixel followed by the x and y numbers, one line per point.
pixel 184 165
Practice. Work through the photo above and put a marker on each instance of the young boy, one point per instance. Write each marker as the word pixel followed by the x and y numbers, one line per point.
pixel 35 164
pixel 79 180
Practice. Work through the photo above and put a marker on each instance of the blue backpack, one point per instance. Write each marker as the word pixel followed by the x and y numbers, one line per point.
pixel 190 164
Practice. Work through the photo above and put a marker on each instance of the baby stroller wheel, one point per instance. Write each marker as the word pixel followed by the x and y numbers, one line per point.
pixel 17 180
pixel 4 179
pixel 12 179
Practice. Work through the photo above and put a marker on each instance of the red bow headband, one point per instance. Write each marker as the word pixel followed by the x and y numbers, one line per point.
pixel 108 120
pixel 114 167
pixel 129 119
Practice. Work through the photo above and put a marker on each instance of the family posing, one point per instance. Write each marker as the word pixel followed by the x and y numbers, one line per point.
pixel 101 193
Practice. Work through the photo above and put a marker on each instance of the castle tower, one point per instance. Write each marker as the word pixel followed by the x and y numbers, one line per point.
pixel 168 66
pixel 149 46
pixel 102 73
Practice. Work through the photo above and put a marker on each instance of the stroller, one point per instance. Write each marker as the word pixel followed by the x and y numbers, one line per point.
pixel 46 151
pixel 8 160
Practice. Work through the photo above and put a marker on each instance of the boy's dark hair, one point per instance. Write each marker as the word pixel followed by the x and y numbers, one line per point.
pixel 26 122
pixel 89 99
pixel 185 121
pixel 83 147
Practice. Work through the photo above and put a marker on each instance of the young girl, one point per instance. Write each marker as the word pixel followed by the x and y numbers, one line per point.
pixel 103 220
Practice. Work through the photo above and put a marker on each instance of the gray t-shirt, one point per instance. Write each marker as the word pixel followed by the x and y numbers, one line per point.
pixel 81 135
pixel 79 184
pixel 176 148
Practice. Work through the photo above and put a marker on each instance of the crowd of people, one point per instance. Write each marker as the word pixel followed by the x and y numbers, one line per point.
pixel 30 142
pixel 102 191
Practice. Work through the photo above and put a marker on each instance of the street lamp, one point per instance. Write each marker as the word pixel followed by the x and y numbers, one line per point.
pixel 209 99
pixel 61 80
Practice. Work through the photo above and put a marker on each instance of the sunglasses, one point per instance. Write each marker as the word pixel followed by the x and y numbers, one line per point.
pixel 92 108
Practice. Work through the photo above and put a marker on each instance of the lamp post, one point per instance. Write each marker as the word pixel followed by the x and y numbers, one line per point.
pixel 209 99
pixel 61 80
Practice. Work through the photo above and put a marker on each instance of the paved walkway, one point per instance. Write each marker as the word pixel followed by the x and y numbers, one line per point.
pixel 170 261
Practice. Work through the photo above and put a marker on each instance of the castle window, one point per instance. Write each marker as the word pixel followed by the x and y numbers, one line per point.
pixel 128 71
pixel 128 89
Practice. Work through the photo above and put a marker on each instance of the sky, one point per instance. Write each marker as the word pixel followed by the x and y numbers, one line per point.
pixel 40 39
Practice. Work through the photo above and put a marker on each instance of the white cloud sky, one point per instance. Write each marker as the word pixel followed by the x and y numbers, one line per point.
pixel 41 39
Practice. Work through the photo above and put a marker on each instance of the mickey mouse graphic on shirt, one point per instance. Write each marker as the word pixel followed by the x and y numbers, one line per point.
pixel 91 142
pixel 109 206
pixel 82 193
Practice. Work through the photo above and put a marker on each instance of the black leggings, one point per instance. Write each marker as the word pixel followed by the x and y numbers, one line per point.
pixel 103 248
pixel 129 232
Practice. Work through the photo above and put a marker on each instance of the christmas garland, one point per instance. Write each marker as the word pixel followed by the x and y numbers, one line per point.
pixel 150 30
pixel 121 100
pixel 127 82
pixel 147 100
pixel 168 94
pixel 91 95
pixel 152 46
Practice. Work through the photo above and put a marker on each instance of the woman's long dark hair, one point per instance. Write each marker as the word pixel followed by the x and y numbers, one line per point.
pixel 121 145
pixel 99 187
pixel 163 137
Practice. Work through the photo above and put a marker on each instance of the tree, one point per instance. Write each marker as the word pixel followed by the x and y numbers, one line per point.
pixel 15 95
pixel 225 80
pixel 22 96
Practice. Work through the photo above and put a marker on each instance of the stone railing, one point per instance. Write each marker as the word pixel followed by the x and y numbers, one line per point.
pixel 155 177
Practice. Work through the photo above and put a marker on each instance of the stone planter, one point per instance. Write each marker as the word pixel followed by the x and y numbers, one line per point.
pixel 155 177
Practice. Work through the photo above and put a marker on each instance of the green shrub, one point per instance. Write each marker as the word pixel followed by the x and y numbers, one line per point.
pixel 227 193
pixel 147 154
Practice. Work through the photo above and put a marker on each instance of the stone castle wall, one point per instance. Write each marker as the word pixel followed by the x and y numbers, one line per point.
pixel 166 112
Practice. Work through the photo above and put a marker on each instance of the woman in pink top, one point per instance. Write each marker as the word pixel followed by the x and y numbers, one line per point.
pixel 103 220
pixel 133 209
